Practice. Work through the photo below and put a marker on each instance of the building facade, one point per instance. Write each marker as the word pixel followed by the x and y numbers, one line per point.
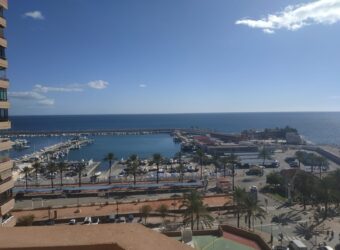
pixel 6 164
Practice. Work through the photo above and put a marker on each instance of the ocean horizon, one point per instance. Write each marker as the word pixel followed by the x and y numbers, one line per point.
pixel 316 127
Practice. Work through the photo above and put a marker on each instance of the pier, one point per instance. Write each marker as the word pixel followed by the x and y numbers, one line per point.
pixel 104 132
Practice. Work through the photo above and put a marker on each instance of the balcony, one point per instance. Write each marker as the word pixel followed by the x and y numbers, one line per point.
pixel 4 124
pixel 7 206
pixel 3 42
pixel 6 164
pixel 3 22
pixel 5 144
pixel 10 222
pixel 4 83
pixel 4 3
pixel 6 184
pixel 3 62
pixel 4 104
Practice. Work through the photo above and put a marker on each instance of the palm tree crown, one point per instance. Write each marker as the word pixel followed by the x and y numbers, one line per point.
pixel 157 159
pixel 110 157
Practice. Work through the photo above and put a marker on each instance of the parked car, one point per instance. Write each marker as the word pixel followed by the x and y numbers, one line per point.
pixel 130 218
pixel 87 221
pixel 72 222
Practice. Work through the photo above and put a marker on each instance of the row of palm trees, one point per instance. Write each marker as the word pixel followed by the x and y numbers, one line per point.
pixel 133 166
pixel 52 168
pixel 247 205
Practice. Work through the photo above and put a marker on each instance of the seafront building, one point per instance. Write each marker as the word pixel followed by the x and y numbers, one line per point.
pixel 6 164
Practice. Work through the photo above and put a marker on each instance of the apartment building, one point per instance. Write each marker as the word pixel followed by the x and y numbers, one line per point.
pixel 6 165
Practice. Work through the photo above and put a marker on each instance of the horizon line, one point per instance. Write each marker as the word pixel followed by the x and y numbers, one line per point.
pixel 184 113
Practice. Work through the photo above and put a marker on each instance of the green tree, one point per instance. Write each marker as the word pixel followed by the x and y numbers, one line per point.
pixel 36 166
pixel 225 162
pixel 145 211
pixel 79 168
pixel 51 168
pixel 26 171
pixel 133 167
pixel 253 210
pixel 264 154
pixel 233 160
pixel 325 193
pixel 62 167
pixel 275 179
pixel 239 197
pixel 321 162
pixel 25 220
pixel 300 156
pixel 109 158
pixel 304 184
pixel 157 159
pixel 163 210
pixel 180 169
pixel 195 210
pixel 200 154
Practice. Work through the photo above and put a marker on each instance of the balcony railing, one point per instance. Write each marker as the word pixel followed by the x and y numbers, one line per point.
pixel 6 184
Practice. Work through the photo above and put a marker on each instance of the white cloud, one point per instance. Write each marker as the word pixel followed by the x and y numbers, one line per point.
pixel 46 89
pixel 295 17
pixel 26 95
pixel 142 85
pixel 38 94
pixel 46 102
pixel 32 96
pixel 37 15
pixel 99 84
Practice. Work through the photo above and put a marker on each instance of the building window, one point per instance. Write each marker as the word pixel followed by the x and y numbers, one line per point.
pixel 2 53
pixel 3 95
pixel 3 115
pixel 3 74
pixel 2 33
pixel 1 11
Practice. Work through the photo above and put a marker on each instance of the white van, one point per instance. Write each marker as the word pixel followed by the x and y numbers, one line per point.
pixel 297 245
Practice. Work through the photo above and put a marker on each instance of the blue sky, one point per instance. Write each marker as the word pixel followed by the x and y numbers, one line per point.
pixel 173 56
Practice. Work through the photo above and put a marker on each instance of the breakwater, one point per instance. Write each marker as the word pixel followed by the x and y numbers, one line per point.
pixel 90 132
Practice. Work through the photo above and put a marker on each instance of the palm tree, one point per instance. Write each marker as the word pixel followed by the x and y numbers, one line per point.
pixel 233 159
pixel 304 183
pixel 200 154
pixel 133 166
pixel 157 158
pixel 79 168
pixel 264 154
pixel 239 196
pixel 110 157
pixel 36 166
pixel 224 161
pixel 300 155
pixel 51 168
pixel 216 159
pixel 253 209
pixel 195 210
pixel 26 171
pixel 145 211
pixel 61 167
pixel 180 169
pixel 321 162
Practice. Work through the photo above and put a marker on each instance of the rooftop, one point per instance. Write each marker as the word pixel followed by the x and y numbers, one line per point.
pixel 99 237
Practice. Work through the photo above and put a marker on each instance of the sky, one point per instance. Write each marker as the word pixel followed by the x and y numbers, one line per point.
pixel 172 56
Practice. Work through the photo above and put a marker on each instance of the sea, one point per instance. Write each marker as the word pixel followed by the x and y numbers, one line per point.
pixel 315 127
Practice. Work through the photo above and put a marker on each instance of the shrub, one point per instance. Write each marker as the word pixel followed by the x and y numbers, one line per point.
pixel 25 220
